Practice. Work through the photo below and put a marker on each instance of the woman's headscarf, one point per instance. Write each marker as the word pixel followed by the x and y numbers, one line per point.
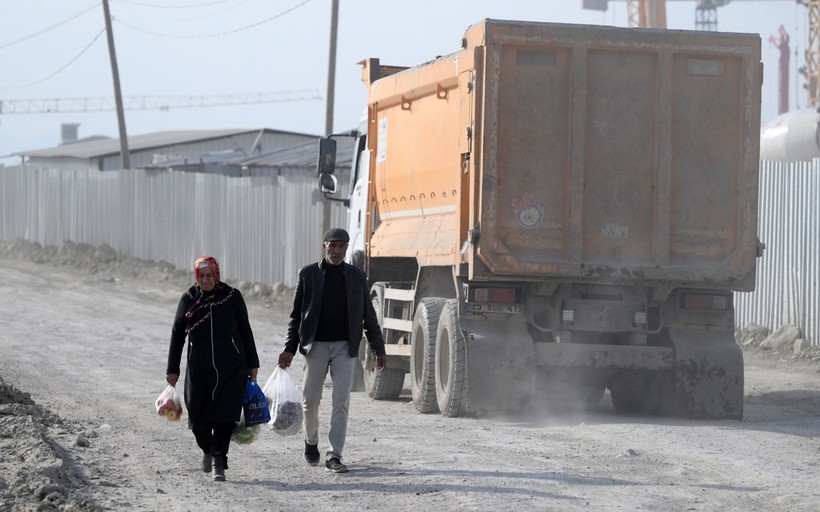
pixel 205 262
pixel 200 309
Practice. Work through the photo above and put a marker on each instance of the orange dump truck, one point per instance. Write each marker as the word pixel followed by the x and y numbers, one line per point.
pixel 556 210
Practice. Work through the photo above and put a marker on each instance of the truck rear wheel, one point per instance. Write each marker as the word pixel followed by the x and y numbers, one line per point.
pixel 450 362
pixel 422 354
pixel 379 385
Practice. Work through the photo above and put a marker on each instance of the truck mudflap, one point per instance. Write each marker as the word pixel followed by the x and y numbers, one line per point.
pixel 699 376
pixel 500 369
pixel 708 374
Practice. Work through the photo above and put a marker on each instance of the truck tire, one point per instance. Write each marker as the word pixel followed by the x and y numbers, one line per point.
pixel 450 362
pixel 379 385
pixel 423 354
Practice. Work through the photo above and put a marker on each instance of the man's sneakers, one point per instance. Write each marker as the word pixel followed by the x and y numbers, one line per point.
pixel 312 454
pixel 334 465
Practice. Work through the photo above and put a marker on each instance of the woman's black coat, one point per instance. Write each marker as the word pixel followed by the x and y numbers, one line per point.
pixel 221 348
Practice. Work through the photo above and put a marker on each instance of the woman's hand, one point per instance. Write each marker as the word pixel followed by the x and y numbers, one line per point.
pixel 252 372
pixel 172 379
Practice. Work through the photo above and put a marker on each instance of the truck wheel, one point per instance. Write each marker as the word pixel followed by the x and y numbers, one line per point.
pixel 387 384
pixel 450 362
pixel 422 354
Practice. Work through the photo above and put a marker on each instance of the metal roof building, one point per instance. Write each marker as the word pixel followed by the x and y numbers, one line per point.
pixel 190 147
pixel 298 158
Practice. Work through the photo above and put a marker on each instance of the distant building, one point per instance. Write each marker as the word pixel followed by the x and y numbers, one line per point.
pixel 192 150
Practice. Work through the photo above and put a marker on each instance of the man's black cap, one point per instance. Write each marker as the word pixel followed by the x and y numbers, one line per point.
pixel 336 235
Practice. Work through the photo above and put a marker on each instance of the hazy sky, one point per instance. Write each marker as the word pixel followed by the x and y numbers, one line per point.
pixel 191 48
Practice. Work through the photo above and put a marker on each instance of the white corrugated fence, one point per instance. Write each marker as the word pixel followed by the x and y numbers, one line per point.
pixel 261 229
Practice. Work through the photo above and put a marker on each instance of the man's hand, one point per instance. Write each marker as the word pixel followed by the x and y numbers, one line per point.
pixel 381 362
pixel 285 358
pixel 172 379
pixel 252 372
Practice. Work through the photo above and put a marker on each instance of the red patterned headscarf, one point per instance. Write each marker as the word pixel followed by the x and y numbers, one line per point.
pixel 204 261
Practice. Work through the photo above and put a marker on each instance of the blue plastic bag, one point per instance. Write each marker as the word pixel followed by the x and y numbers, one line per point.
pixel 254 405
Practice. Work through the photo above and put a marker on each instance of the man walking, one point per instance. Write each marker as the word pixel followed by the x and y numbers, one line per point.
pixel 331 309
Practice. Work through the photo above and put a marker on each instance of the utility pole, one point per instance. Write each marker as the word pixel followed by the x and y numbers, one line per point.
pixel 126 157
pixel 331 67
pixel 331 85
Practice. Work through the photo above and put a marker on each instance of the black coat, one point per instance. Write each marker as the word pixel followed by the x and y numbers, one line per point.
pixel 307 305
pixel 221 348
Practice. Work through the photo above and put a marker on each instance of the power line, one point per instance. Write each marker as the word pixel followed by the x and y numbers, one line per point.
pixel 231 7
pixel 214 34
pixel 52 27
pixel 148 102
pixel 166 6
pixel 101 32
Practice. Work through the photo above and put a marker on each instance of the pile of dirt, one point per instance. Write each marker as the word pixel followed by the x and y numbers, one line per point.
pixel 105 261
pixel 785 344
pixel 37 470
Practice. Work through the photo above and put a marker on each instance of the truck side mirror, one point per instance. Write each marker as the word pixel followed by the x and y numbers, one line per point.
pixel 327 183
pixel 327 158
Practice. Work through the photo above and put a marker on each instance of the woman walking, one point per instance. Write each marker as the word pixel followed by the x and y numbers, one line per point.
pixel 221 358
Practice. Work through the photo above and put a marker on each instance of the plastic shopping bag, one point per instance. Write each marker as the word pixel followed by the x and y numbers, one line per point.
pixel 243 434
pixel 169 403
pixel 285 403
pixel 254 405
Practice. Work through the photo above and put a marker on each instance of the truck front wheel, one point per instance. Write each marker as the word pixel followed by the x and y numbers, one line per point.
pixel 422 354
pixel 450 362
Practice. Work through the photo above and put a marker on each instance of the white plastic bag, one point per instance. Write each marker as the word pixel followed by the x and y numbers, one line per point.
pixel 169 403
pixel 285 402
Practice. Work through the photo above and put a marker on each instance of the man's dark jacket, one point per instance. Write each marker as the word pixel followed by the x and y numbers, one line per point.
pixel 307 303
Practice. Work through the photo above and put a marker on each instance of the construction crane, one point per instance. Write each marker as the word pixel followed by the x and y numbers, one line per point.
pixel 811 71
pixel 652 13
pixel 162 103
pixel 646 13
pixel 782 44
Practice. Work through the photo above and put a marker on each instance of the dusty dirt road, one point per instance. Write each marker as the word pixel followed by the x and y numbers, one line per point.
pixel 90 349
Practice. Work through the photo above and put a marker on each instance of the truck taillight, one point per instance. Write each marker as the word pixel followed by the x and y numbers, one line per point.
pixel 706 301
pixel 492 294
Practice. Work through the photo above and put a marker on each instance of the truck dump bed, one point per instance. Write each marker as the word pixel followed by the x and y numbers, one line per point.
pixel 575 152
